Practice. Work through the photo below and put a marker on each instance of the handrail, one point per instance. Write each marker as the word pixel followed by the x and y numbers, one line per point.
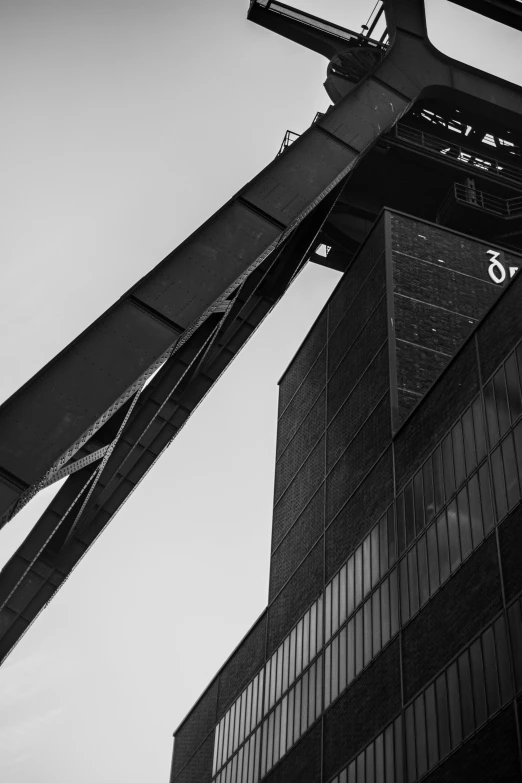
pixel 506 208
pixel 315 22
pixel 457 153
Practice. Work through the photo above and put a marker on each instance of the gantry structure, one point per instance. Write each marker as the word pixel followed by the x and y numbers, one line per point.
pixel 105 408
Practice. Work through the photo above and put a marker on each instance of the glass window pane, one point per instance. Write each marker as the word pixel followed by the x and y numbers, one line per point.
pixel 273 678
pixel 458 454
pixel 515 630
pixel 385 612
pixel 466 694
pixel 491 413
pixel 290 719
pixel 409 513
pixel 443 720
pixel 517 434
pixel 297 710
pixel 328 612
pixel 464 522
pixel 392 536
pixel 299 649
pixel 424 586
pixel 367 566
pixel 311 694
pixel 454 705
pixel 443 544
pixel 431 726
pixel 342 660
pixel 454 537
pixel 304 702
pixel 283 726
pixel 485 496
pixel 313 630
pixel 248 727
pixel 350 586
pixel 478 424
pixel 511 472
pixel 504 672
pixel 342 776
pixel 306 640
pixel 490 671
pixel 394 603
pixel 475 511
pixel 398 740
pixel 513 388
pixel 270 742
pixel 501 398
pixel 319 603
pixel 335 603
pixel 420 732
pixel 291 675
pixel 328 676
pixel 389 755
pixel 370 763
pixel 405 590
pixel 409 725
pixel 413 580
pixel 479 686
pixel 342 595
pixel 352 773
pixel 319 686
pixel 438 480
pixel 418 495
pixel 383 544
pixel 376 620
pixel 360 763
pixel 379 759
pixel 358 576
pixel 433 558
pixel 375 555
pixel 350 650
pixel 335 668
pixel 401 525
pixel 367 612
pixel 449 470
pixel 358 641
pixel 233 776
pixel 260 695
pixel 469 442
pixel 429 498
pixel 279 682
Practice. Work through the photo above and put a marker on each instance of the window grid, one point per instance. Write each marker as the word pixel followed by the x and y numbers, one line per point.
pixel 467 693
pixel 462 516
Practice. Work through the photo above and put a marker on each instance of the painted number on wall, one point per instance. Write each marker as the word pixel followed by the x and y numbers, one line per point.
pixel 497 267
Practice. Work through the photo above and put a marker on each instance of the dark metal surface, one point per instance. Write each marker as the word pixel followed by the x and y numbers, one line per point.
pixel 195 310
pixel 508 12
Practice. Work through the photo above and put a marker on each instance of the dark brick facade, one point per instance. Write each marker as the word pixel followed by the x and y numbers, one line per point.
pixel 404 345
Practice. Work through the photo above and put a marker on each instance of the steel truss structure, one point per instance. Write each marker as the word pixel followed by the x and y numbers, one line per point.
pixel 102 412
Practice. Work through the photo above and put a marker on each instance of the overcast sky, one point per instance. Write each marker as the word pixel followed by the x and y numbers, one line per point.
pixel 125 125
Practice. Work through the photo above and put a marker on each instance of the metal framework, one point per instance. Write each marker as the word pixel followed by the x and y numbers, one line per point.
pixel 108 405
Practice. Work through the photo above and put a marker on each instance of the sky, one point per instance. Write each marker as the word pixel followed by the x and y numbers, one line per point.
pixel 126 125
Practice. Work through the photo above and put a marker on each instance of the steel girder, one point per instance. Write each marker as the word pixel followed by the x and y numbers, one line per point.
pixel 190 315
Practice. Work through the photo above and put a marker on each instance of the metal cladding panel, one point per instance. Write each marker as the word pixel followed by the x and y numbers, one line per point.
pixel 364 114
pixel 55 408
pixel 297 177
pixel 194 275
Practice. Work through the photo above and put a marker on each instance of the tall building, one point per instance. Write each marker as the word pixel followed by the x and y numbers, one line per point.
pixel 391 646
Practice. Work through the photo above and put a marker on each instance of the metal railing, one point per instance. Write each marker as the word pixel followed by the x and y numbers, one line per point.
pixel 457 153
pixel 506 208
pixel 314 21
pixel 291 136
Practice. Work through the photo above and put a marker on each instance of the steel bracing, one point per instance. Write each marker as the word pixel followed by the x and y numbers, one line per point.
pixel 107 406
